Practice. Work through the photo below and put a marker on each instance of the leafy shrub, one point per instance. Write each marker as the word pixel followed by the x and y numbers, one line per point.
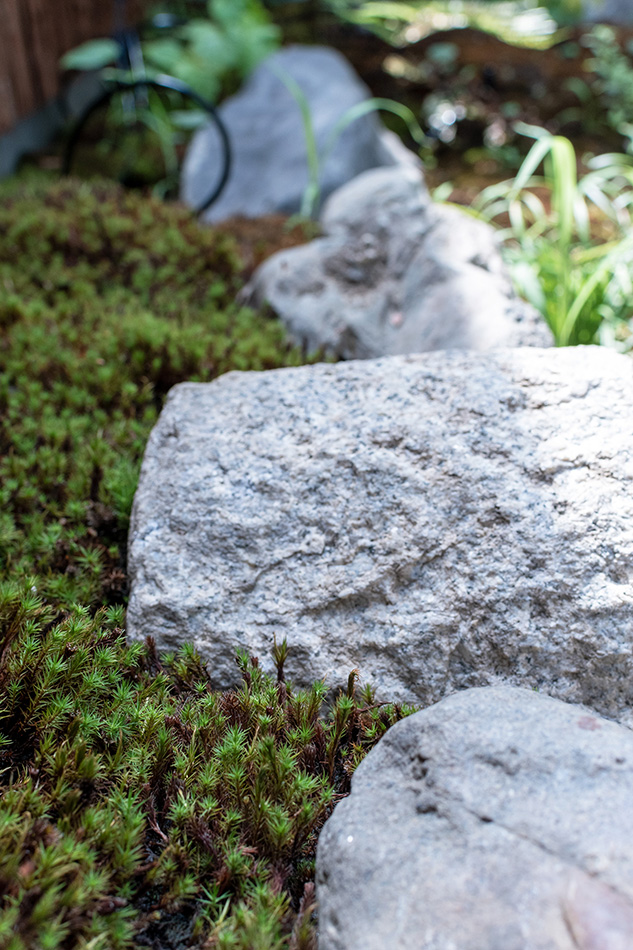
pixel 210 46
pixel 612 69
pixel 216 47
pixel 139 808
pixel 107 299
pixel 216 52
pixel 516 23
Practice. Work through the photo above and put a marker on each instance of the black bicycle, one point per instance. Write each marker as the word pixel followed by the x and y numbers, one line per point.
pixel 134 106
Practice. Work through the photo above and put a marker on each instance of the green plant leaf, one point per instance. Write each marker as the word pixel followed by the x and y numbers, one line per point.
pixel 163 54
pixel 188 119
pixel 313 190
pixel 603 270
pixel 95 54
pixel 583 281
pixel 376 104
pixel 385 10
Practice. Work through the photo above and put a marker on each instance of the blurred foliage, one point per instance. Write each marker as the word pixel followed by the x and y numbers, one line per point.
pixel 211 47
pixel 612 69
pixel 215 53
pixel 139 138
pixel 519 22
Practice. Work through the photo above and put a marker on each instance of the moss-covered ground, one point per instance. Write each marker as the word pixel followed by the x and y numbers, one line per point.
pixel 138 807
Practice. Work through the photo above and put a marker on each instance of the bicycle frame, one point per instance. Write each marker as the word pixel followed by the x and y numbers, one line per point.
pixel 131 61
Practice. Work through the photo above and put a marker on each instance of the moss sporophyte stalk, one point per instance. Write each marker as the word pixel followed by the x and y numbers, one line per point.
pixel 138 807
pixel 138 804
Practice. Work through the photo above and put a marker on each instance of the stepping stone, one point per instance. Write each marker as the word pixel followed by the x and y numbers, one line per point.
pixel 439 521
pixel 498 819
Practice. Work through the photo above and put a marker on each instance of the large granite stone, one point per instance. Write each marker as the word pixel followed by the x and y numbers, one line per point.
pixel 498 819
pixel 270 159
pixel 395 273
pixel 439 521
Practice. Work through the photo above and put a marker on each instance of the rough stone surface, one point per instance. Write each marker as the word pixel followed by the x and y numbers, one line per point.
pixel 396 273
pixel 270 164
pixel 439 521
pixel 498 819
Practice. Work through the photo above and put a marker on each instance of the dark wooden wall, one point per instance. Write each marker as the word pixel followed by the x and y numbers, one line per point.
pixel 34 34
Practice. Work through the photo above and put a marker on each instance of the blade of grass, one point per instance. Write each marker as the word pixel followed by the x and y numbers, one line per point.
pixel 602 271
pixel 313 190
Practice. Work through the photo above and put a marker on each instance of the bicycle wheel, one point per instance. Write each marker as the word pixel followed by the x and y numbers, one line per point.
pixel 159 83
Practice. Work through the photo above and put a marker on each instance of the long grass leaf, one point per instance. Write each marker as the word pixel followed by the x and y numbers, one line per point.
pixel 581 217
pixel 517 219
pixel 591 189
pixel 313 191
pixel 610 159
pixel 375 104
pixel 531 162
pixel 535 206
pixel 385 10
pixel 563 183
pixel 602 271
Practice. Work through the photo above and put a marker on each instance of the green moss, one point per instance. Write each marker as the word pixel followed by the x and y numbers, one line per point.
pixel 138 807
pixel 139 804
pixel 107 299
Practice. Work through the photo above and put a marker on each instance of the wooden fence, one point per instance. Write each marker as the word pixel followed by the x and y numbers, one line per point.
pixel 34 34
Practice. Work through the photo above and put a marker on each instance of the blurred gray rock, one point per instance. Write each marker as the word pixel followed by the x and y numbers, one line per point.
pixel 439 521
pixel 497 819
pixel 618 12
pixel 270 161
pixel 395 273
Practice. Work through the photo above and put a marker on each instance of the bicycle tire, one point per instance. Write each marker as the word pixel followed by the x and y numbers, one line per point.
pixel 169 83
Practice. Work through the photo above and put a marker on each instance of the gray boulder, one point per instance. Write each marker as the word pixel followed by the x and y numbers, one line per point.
pixel 498 819
pixel 439 521
pixel 270 159
pixel 619 12
pixel 395 273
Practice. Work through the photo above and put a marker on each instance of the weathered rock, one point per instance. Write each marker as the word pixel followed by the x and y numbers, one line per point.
pixel 396 273
pixel 270 160
pixel 498 819
pixel 439 521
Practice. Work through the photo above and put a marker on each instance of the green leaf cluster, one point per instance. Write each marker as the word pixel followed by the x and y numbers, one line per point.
pixel 93 54
pixel 519 22
pixel 569 239
pixel 612 69
pixel 140 807
pixel 107 299
pixel 215 53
